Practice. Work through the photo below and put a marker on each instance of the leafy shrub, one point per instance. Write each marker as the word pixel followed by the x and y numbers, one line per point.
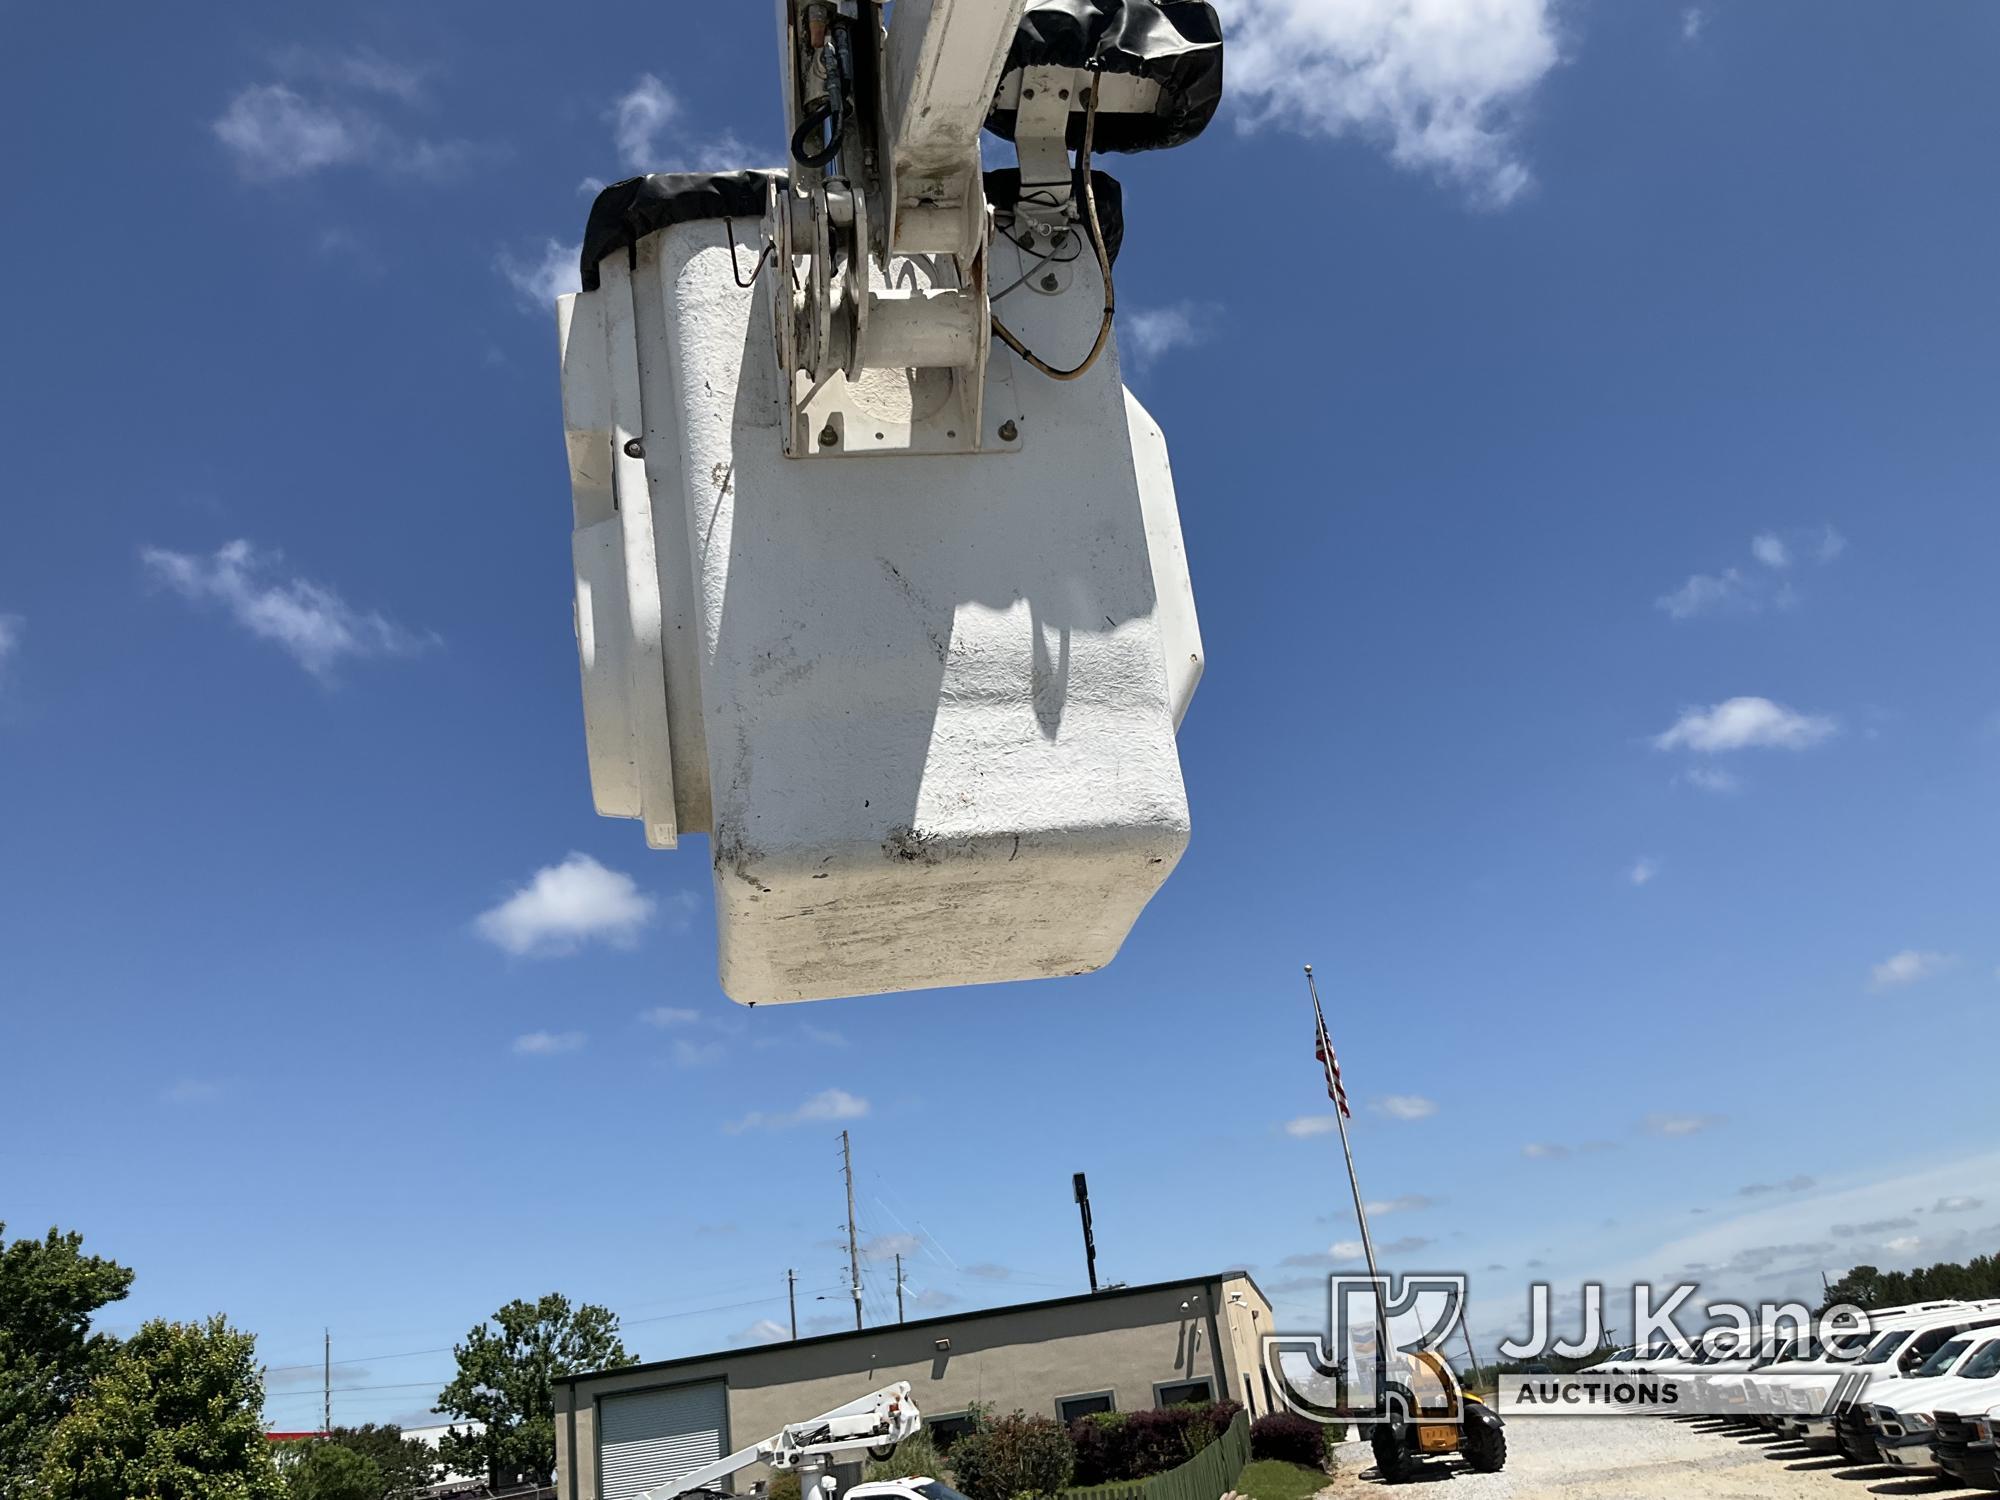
pixel 915 1455
pixel 1101 1449
pixel 1289 1438
pixel 783 1486
pixel 1014 1456
pixel 1116 1446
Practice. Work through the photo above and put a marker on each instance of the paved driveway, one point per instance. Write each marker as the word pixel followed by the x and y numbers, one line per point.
pixel 1642 1458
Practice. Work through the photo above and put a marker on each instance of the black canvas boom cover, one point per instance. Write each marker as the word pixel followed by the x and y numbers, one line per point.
pixel 1174 43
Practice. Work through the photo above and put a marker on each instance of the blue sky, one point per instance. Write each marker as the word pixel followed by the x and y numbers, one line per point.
pixel 1583 421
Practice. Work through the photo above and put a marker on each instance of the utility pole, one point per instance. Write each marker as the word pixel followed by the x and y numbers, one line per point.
pixel 1089 1240
pixel 326 1385
pixel 899 1286
pixel 853 1245
pixel 792 1297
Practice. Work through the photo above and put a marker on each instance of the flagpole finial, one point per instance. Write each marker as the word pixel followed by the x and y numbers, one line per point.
pixel 1309 968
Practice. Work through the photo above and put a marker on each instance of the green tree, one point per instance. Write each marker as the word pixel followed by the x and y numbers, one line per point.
pixel 504 1381
pixel 324 1470
pixel 405 1466
pixel 176 1415
pixel 48 1356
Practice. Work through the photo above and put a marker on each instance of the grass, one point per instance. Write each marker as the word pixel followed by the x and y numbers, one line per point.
pixel 1272 1479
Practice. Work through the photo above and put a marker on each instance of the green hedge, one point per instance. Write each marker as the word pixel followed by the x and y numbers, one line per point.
pixel 1209 1475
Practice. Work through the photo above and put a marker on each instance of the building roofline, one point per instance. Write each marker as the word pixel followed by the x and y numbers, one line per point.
pixel 1075 1299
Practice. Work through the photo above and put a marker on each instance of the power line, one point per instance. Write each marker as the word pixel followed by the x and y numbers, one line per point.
pixel 306 1390
pixel 715 1291
pixel 376 1359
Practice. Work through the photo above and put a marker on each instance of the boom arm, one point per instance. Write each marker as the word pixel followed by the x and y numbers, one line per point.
pixel 880 1419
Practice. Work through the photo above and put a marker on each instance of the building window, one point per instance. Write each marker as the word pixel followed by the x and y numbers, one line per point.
pixel 948 1429
pixel 1183 1393
pixel 1069 1408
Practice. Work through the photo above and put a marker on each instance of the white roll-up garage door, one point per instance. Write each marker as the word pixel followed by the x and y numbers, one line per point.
pixel 645 1438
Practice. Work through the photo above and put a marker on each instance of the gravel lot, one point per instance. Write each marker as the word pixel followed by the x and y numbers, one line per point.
pixel 1644 1458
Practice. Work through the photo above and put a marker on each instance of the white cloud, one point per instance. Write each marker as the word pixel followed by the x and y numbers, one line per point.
pixel 1407 1107
pixel 272 131
pixel 12 628
pixel 1681 1125
pixel 763 1331
pixel 1908 967
pixel 1734 592
pixel 1778 1246
pixel 1709 594
pixel 565 905
pixel 542 277
pixel 642 117
pixel 828 1104
pixel 823 1036
pixel 1345 1249
pixel 696 1054
pixel 1544 1151
pixel 670 1015
pixel 1149 332
pixel 1407 1203
pixel 1643 870
pixel 361 69
pixel 190 1091
pixel 547 1043
pixel 638 118
pixel 1712 779
pixel 1799 1184
pixel 678 911
pixel 1957 1203
pixel 1693 19
pixel 1903 1244
pixel 308 620
pixel 1745 724
pixel 889 1246
pixel 1769 549
pixel 1310 1125
pixel 1442 83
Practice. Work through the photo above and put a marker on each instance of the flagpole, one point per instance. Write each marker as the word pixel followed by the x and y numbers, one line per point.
pixel 1360 1211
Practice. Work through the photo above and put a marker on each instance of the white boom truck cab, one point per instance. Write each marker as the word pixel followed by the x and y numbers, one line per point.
pixel 870 1426
pixel 1963 1376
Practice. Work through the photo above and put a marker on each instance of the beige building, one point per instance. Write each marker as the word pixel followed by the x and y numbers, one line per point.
pixel 619 1432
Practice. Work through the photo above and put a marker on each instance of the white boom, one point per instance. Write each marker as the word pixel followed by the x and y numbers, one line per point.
pixel 878 1420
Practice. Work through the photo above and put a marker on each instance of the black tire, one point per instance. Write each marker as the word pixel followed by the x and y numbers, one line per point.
pixel 1393 1463
pixel 1486 1446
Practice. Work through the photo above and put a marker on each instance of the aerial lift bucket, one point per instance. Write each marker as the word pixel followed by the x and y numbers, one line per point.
pixel 902 624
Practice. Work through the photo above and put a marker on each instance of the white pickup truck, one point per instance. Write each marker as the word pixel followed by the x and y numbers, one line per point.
pixel 1793 1393
pixel 1889 1380
pixel 1962 1377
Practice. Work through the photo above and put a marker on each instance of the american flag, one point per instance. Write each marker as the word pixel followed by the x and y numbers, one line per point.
pixel 1323 1050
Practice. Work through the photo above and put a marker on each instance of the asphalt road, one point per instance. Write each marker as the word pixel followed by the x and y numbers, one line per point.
pixel 1643 1458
